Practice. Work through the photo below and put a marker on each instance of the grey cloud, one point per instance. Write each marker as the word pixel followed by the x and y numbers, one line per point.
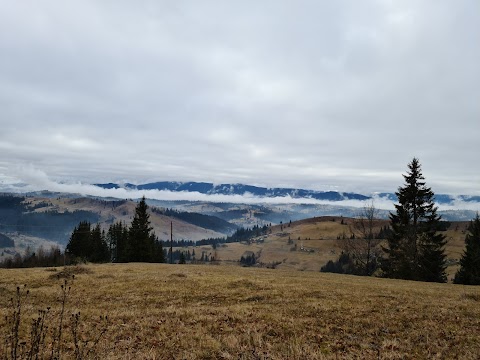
pixel 325 94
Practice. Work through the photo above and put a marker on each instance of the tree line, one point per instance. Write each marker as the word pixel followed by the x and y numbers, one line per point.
pixel 241 234
pixel 40 258
pixel 138 242
pixel 121 243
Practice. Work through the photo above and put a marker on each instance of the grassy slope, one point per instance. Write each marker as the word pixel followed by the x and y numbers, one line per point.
pixel 323 233
pixel 225 312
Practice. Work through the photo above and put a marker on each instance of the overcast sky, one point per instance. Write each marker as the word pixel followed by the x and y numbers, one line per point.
pixel 312 94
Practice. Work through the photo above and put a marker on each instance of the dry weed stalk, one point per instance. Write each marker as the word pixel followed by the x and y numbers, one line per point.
pixel 57 333
pixel 85 348
pixel 38 334
pixel 44 327
pixel 12 339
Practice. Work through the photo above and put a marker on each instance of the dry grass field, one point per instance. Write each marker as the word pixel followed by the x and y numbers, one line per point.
pixel 159 311
pixel 316 243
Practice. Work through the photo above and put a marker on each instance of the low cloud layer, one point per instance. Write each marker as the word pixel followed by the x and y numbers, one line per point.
pixel 325 95
pixel 34 180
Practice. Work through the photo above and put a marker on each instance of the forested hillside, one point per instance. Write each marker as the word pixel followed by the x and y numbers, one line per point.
pixel 17 214
pixel 54 218
pixel 205 221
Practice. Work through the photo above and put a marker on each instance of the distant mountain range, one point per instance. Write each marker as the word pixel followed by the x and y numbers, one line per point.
pixel 239 189
pixel 439 198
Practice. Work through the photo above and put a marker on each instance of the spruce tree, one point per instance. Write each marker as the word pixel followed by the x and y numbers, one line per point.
pixel 117 236
pixel 100 251
pixel 159 254
pixel 141 238
pixel 416 250
pixel 469 272
pixel 80 245
pixel 88 243
pixel 182 258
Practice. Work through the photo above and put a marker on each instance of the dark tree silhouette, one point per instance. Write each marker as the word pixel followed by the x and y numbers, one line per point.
pixel 100 251
pixel 88 243
pixel 415 251
pixel 80 245
pixel 140 235
pixel 117 236
pixel 469 272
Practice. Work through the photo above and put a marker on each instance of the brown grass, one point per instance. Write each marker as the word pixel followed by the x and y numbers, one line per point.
pixel 225 312
pixel 320 235
pixel 69 272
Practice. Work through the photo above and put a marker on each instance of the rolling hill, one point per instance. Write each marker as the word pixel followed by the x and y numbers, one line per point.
pixel 45 221
pixel 307 245
pixel 123 210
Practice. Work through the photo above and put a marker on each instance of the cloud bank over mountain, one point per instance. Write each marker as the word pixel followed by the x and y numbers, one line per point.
pixel 34 180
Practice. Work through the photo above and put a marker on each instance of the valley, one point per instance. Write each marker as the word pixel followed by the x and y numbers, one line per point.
pixel 304 245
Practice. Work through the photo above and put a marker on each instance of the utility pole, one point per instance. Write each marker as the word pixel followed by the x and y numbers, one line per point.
pixel 171 242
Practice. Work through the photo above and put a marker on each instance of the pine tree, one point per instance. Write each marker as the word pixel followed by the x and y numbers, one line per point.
pixel 79 244
pixel 469 272
pixel 99 245
pixel 158 253
pixel 88 244
pixel 141 241
pixel 415 248
pixel 117 236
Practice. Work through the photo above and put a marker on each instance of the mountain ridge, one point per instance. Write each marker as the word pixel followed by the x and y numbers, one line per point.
pixel 238 189
pixel 242 189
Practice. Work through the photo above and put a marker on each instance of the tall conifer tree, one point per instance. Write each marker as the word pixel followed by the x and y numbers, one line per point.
pixel 469 272
pixel 118 241
pixel 415 249
pixel 88 243
pixel 100 251
pixel 80 244
pixel 141 237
